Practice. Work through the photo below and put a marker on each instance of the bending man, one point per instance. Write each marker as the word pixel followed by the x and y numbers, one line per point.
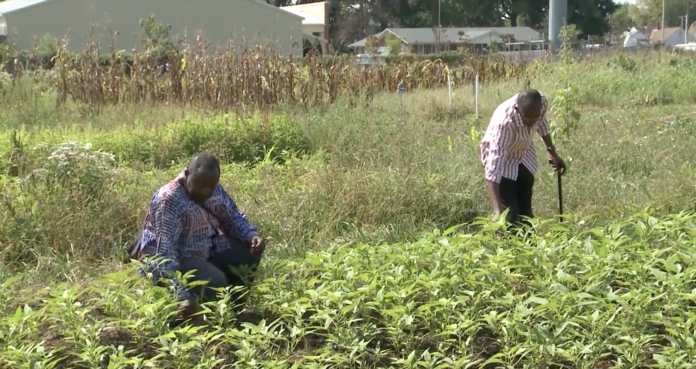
pixel 194 224
pixel 508 154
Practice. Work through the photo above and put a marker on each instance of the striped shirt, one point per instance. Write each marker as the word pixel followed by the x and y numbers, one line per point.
pixel 176 227
pixel 508 142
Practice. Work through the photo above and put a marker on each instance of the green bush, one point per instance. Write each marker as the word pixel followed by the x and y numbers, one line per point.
pixel 231 138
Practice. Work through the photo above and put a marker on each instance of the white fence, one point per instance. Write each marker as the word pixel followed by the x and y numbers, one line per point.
pixel 530 55
pixel 523 55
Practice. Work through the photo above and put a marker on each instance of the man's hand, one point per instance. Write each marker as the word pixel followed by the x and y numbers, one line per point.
pixel 258 244
pixel 558 164
pixel 188 308
pixel 494 194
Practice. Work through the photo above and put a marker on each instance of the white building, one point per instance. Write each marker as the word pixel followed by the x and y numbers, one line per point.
pixel 242 23
pixel 634 38
pixel 315 20
pixel 673 36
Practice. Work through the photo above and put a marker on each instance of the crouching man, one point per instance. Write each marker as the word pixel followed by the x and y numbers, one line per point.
pixel 192 224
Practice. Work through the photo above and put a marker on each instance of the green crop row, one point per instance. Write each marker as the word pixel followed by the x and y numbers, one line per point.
pixel 616 295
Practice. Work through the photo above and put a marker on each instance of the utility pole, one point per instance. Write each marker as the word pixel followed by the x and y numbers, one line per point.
pixel 439 24
pixel 685 20
pixel 663 23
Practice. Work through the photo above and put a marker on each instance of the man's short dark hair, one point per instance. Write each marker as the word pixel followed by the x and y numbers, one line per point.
pixel 528 100
pixel 204 163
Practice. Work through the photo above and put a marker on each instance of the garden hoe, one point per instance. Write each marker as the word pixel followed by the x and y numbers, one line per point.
pixel 560 194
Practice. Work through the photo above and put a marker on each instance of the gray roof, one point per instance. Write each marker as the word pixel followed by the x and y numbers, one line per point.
pixel 10 6
pixel 413 35
pixel 416 36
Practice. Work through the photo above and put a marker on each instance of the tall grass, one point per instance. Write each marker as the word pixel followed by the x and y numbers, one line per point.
pixel 244 80
pixel 388 170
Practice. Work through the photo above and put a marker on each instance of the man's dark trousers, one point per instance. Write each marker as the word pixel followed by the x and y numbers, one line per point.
pixel 516 195
pixel 220 271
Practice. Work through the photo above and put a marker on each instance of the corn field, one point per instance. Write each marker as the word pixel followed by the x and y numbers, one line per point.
pixel 253 79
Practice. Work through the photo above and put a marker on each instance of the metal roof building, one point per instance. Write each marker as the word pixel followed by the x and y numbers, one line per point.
pixel 242 23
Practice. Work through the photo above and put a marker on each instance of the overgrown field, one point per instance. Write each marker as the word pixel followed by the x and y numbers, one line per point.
pixel 349 191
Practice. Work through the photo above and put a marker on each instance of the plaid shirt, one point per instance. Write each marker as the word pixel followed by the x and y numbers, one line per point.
pixel 508 142
pixel 176 227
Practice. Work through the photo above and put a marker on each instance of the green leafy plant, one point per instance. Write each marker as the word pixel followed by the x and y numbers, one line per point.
pixel 565 100
pixel 393 44
pixel 157 36
pixel 557 298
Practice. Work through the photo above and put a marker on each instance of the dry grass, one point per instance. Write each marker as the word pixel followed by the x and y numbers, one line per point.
pixel 249 80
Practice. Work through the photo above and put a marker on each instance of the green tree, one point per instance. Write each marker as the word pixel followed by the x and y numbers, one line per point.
pixel 649 12
pixel 621 20
pixel 591 17
pixel 426 13
pixel 393 45
pixel 530 11
pixel 350 19
pixel 156 35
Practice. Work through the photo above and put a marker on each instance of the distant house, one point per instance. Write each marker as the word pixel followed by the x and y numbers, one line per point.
pixel 432 40
pixel 635 38
pixel 315 21
pixel 673 36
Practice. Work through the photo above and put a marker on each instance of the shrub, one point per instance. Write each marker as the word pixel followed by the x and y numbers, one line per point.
pixel 232 138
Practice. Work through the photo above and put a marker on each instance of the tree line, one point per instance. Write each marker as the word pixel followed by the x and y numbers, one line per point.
pixel 351 20
pixel 649 13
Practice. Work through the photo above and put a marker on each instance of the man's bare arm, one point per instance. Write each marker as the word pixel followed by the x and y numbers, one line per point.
pixel 494 195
